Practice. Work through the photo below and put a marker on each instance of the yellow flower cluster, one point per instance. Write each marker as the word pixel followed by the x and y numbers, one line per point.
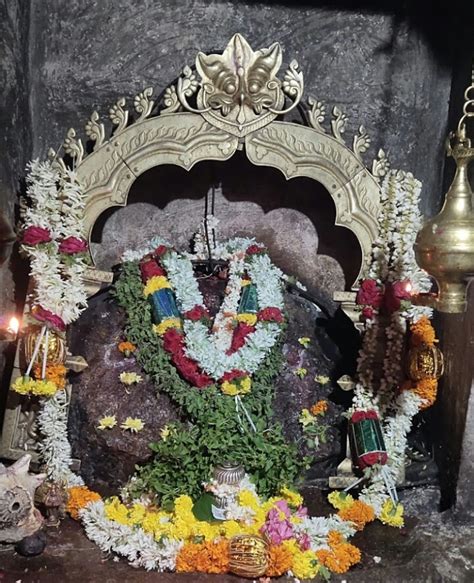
pixel 340 500
pixel 304 564
pixel 156 283
pixel 293 498
pixel 247 318
pixel 28 386
pixel 130 378
pixel 392 514
pixel 107 422
pixel 166 324
pixel 237 387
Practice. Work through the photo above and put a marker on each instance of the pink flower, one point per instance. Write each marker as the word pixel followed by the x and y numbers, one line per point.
pixel 43 315
pixel 36 235
pixel 304 542
pixel 72 245
pixel 369 294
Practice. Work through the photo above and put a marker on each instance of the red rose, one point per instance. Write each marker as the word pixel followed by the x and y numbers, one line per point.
pixel 368 312
pixel 232 375
pixel 363 415
pixel 255 250
pixel 36 235
pixel 197 313
pixel 160 250
pixel 43 315
pixel 270 315
pixel 72 245
pixel 395 293
pixel 149 269
pixel 241 331
pixel 369 294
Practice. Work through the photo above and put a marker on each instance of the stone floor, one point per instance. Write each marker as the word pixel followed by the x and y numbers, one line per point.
pixel 428 550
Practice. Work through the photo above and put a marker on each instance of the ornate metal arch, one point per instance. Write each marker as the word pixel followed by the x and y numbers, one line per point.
pixel 230 101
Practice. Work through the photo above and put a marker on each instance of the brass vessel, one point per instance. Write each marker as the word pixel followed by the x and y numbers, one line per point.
pixel 425 362
pixel 56 346
pixel 445 245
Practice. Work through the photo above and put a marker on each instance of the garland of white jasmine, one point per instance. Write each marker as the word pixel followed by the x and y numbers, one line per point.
pixel 393 266
pixel 53 240
pixel 246 327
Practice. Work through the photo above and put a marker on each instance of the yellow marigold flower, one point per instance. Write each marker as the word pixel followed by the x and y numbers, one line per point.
pixel 391 514
pixel 130 378
pixel 248 499
pixel 230 528
pixel 22 385
pixel 237 387
pixel 156 283
pixel 249 319
pixel 165 432
pixel 422 332
pixel 304 341
pixel 427 390
pixel 304 564
pixel 107 422
pixel 183 505
pixel 163 326
pixel 137 513
pixel 301 372
pixel 319 408
pixel 306 418
pixel 340 500
pixel 244 282
pixel 245 385
pixel 133 425
pixel 115 510
pixel 293 498
pixel 322 379
pixel 44 388
pixel 78 498
pixel 152 523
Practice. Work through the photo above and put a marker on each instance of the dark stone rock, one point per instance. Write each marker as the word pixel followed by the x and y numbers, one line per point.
pixel 33 545
pixel 108 457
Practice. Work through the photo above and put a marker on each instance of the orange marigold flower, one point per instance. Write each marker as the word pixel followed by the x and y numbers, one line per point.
pixel 340 558
pixel 280 560
pixel 422 332
pixel 78 498
pixel 56 373
pixel 426 389
pixel 126 347
pixel 208 557
pixel 319 408
pixel 335 538
pixel 359 513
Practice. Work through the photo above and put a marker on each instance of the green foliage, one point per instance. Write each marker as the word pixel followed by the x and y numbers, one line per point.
pixel 209 431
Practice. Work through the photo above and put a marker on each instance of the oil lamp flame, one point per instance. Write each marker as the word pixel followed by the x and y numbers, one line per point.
pixel 13 326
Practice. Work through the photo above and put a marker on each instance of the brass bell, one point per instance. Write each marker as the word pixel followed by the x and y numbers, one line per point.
pixel 248 556
pixel 425 362
pixel 56 353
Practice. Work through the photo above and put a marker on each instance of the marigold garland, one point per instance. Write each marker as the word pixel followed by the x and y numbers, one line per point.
pixel 78 498
pixel 207 557
pixel 280 560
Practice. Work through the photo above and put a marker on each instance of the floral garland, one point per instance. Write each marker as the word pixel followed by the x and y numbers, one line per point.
pixel 53 240
pixel 388 311
pixel 156 539
pixel 246 327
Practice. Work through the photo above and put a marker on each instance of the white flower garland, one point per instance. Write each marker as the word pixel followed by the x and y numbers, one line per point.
pixel 139 547
pixel 54 447
pixel 393 259
pixel 57 204
pixel 210 350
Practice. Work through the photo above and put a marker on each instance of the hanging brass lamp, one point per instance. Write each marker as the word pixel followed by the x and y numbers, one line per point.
pixel 444 246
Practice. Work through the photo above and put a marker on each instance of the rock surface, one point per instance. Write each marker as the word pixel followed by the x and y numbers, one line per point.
pixel 108 457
